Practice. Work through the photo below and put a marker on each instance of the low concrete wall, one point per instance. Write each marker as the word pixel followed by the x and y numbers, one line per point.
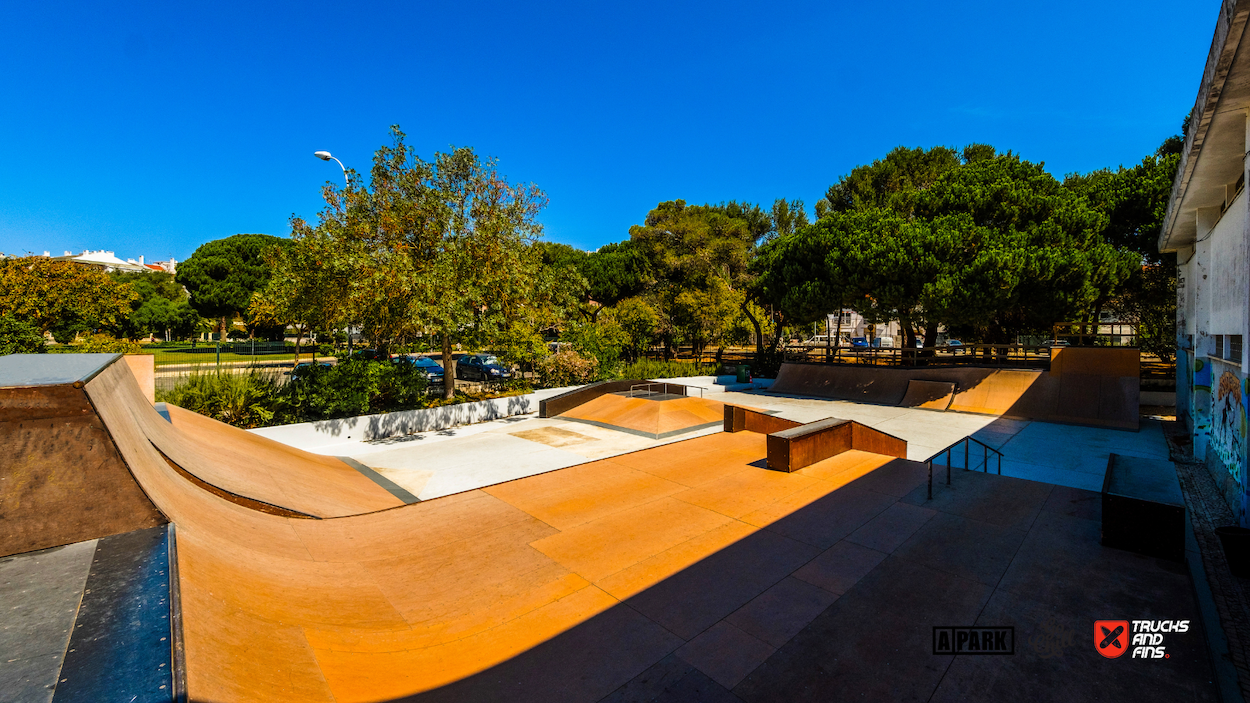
pixel 309 435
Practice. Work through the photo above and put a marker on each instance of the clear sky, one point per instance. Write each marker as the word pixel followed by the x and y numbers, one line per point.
pixel 151 128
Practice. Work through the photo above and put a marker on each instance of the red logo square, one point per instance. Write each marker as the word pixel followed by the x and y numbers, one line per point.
pixel 1111 637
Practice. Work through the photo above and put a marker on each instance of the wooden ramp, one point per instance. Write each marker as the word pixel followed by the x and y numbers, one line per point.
pixel 1098 387
pixel 656 417
pixel 930 395
pixel 392 603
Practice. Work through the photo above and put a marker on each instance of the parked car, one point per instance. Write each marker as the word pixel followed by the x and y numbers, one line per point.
pixel 883 342
pixel 954 346
pixel 369 355
pixel 433 371
pixel 1056 343
pixel 304 368
pixel 481 367
pixel 859 342
pixel 821 340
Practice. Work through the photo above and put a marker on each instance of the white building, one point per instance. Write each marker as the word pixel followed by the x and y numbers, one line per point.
pixel 108 261
pixel 1206 228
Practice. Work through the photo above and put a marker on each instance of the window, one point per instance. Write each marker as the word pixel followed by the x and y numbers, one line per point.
pixel 1217 346
pixel 1234 348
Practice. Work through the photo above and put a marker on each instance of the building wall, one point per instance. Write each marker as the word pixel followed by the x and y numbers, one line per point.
pixel 1213 297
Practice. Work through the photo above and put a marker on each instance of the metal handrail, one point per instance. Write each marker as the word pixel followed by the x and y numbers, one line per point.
pixel 664 386
pixel 985 462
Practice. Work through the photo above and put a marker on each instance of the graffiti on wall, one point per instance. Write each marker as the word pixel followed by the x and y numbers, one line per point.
pixel 1228 424
pixel 1202 395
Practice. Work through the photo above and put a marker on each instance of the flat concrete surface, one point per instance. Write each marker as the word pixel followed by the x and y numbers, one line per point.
pixel 21 370
pixel 39 597
pixel 434 464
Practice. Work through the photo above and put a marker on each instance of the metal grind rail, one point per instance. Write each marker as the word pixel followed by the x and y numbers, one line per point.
pixel 685 390
pixel 967 443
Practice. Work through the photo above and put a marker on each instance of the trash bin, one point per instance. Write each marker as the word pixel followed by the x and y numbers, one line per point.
pixel 744 373
pixel 1236 543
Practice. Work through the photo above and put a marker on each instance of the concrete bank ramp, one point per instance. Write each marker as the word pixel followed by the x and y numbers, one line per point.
pixel 1098 387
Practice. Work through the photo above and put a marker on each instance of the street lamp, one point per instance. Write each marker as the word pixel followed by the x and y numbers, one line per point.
pixel 325 156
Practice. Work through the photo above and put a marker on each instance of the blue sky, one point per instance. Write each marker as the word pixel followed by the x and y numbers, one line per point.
pixel 152 128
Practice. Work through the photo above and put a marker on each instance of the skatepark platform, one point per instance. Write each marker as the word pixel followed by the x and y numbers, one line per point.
pixel 682 572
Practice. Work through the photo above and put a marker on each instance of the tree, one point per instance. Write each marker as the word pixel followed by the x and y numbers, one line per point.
pixel 161 307
pixel 62 296
pixel 19 337
pixel 893 183
pixel 222 275
pixel 444 246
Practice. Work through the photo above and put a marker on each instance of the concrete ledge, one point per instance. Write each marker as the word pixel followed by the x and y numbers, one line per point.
pixel 310 435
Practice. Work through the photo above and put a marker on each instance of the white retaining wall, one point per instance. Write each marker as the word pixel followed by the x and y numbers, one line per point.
pixel 310 435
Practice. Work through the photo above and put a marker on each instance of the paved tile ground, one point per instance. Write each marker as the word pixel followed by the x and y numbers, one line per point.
pixel 39 597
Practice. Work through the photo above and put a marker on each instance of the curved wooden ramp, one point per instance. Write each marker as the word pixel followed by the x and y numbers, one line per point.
pixel 261 469
pixel 930 395
pixel 397 602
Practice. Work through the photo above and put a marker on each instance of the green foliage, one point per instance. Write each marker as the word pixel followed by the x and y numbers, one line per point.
pixel 666 369
pixel 567 368
pixel 162 306
pixel 62 296
pixel 19 337
pixel 353 387
pixel 894 182
pixel 601 340
pixel 100 343
pixel 222 275
pixel 637 321
pixel 249 399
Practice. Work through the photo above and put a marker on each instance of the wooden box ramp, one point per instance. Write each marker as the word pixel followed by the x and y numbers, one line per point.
pixel 1093 387
pixel 793 446
pixel 412 600
pixel 656 416
pixel 560 404
pixel 62 479
pixel 929 395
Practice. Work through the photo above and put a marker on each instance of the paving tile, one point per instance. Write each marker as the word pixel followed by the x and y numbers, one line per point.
pixel 1069 546
pixel 874 643
pixel 745 491
pixel 1010 502
pixel 969 548
pixel 725 653
pixel 672 680
pixel 609 544
pixel 692 600
pixel 584 663
pixel 892 527
pixel 820 518
pixel 840 567
pixel 577 495
pixel 779 613
pixel 897 478
pixel 1055 661
pixel 648 572
pixel 1075 502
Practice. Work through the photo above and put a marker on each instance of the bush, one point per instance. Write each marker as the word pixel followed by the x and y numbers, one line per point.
pixel 567 368
pixel 353 387
pixel 666 369
pixel 18 337
pixel 246 400
pixel 105 344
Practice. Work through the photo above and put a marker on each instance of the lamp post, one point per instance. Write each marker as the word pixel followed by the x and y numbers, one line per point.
pixel 326 156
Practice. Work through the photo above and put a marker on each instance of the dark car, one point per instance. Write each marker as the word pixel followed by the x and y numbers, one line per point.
pixel 481 367
pixel 432 370
pixel 369 355
pixel 954 346
pixel 859 342
pixel 305 368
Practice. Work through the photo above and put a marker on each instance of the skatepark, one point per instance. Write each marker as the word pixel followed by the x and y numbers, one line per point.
pixel 632 540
